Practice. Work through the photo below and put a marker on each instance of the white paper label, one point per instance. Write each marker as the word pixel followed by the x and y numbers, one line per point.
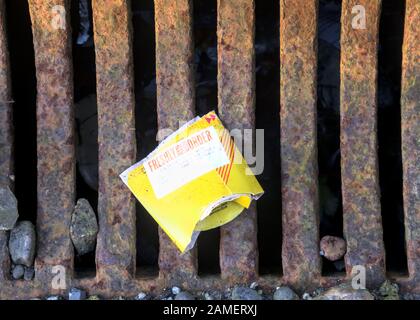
pixel 185 161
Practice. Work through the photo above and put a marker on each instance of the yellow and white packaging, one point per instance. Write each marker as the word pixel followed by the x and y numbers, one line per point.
pixel 195 180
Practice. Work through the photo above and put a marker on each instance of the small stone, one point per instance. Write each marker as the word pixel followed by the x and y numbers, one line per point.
pixel 17 272
pixel 306 296
pixel 254 285
pixel 345 292
pixel 176 290
pixel 244 293
pixel 22 243
pixel 29 273
pixel 208 296
pixel 84 227
pixel 77 294
pixel 285 293
pixel 184 295
pixel 389 291
pixel 333 248
pixel 54 298
pixel 8 209
pixel 141 296
pixel 94 297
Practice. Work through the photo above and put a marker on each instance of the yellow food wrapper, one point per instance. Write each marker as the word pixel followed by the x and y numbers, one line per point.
pixel 195 180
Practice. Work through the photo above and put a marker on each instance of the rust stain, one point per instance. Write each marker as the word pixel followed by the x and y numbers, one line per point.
pixel 116 252
pixel 359 160
pixel 410 129
pixel 298 63
pixel 236 107
pixel 175 104
pixel 6 135
pixel 55 145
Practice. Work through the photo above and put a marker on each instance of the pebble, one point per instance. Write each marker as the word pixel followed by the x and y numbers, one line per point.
pixel 306 296
pixel 29 273
pixel 184 295
pixel 345 292
pixel 77 294
pixel 141 296
pixel 254 285
pixel 208 296
pixel 84 227
pixel 55 298
pixel 94 297
pixel 333 248
pixel 8 209
pixel 285 293
pixel 18 272
pixel 244 293
pixel 22 243
pixel 176 290
pixel 389 291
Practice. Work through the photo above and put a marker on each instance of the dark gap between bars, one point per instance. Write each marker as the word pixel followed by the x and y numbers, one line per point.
pixel 23 81
pixel 205 66
pixel 328 135
pixel 267 53
pixel 86 122
pixel 144 59
pixel 389 134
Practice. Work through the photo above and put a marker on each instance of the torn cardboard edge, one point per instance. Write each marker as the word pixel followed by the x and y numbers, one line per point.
pixel 194 166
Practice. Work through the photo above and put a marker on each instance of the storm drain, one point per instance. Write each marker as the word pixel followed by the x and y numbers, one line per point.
pixel 115 255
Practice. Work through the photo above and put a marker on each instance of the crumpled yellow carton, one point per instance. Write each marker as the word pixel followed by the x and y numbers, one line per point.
pixel 195 180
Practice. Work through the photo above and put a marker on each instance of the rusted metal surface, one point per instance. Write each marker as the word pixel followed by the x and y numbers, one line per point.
pixel 359 160
pixel 175 105
pixel 236 88
pixel 298 63
pixel 116 252
pixel 6 137
pixel 410 129
pixel 55 135
pixel 236 106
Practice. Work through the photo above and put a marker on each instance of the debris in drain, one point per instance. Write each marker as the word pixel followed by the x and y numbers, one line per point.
pixel 141 296
pixel 285 293
pixel 184 295
pixel 17 272
pixel 22 243
pixel 345 292
pixel 388 291
pixel 8 209
pixel 84 227
pixel 77 294
pixel 333 248
pixel 29 273
pixel 199 167
pixel 244 293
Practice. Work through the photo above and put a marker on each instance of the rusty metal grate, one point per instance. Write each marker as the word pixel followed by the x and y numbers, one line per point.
pixel 116 249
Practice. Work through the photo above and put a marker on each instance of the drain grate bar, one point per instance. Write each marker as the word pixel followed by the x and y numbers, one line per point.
pixel 236 106
pixel 116 251
pixel 298 63
pixel 410 118
pixel 6 137
pixel 359 159
pixel 175 105
pixel 55 136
